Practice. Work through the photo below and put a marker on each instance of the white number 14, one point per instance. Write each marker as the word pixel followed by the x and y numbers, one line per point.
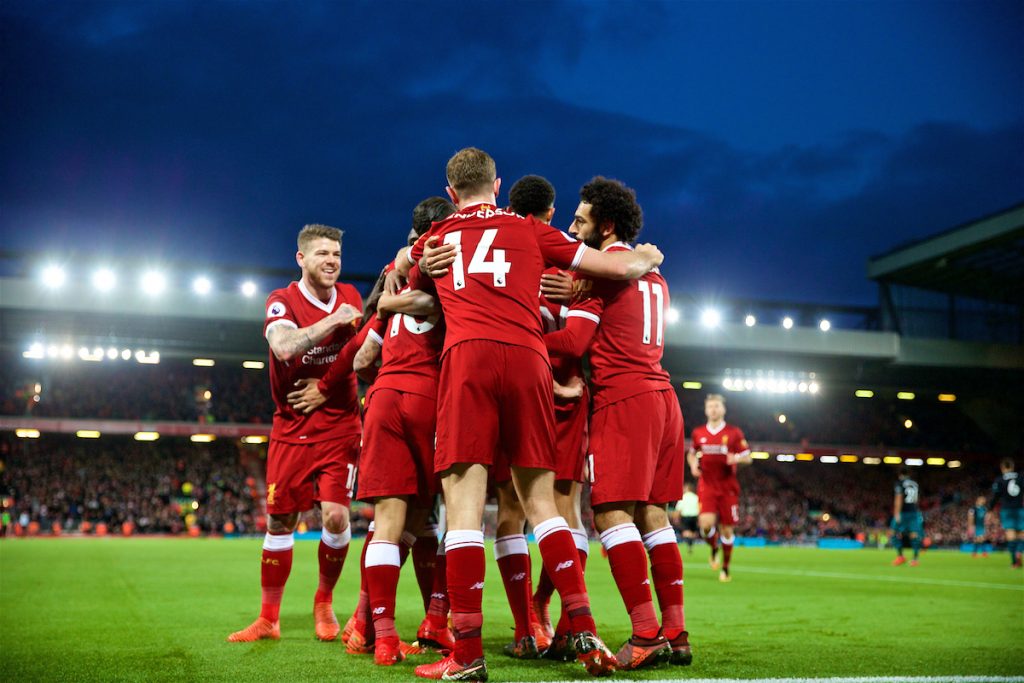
pixel 498 267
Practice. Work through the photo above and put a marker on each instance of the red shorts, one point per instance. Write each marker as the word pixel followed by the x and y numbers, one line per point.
pixel 398 446
pixel 571 436
pixel 494 401
pixel 718 502
pixel 636 450
pixel 300 473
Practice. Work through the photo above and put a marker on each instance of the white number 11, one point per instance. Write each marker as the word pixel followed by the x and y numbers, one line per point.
pixel 659 300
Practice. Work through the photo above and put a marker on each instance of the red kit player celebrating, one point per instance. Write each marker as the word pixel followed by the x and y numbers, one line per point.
pixel 312 457
pixel 495 394
pixel 636 428
pixel 716 451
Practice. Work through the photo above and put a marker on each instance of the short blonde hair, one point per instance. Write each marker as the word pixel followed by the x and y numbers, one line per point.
pixel 471 170
pixel 715 397
pixel 315 231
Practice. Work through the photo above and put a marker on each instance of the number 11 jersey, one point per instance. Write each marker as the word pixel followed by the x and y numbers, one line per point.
pixel 625 356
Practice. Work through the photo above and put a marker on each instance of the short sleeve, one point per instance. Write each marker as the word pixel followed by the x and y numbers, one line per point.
pixel 279 313
pixel 558 249
pixel 375 330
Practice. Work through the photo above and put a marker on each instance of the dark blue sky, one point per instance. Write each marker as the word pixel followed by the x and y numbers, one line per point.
pixel 774 146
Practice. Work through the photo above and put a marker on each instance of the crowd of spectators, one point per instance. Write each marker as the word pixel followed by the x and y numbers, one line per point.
pixel 63 484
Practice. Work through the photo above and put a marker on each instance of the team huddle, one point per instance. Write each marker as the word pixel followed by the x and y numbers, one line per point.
pixel 473 344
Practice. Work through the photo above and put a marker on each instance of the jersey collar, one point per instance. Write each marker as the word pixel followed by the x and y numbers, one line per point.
pixel 620 243
pixel 715 431
pixel 313 299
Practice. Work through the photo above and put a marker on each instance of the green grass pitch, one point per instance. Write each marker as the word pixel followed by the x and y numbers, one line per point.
pixel 160 609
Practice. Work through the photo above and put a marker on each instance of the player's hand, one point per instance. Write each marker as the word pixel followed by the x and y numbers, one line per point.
pixel 436 259
pixel 730 459
pixel 695 471
pixel 570 391
pixel 393 282
pixel 347 314
pixel 651 253
pixel 556 287
pixel 307 397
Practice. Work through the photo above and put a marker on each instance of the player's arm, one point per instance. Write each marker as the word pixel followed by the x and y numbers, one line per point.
pixel 575 338
pixel 572 391
pixel 557 287
pixel 621 265
pixel 310 392
pixel 741 457
pixel 288 342
pixel 411 302
pixel 897 507
pixel 365 361
pixel 694 461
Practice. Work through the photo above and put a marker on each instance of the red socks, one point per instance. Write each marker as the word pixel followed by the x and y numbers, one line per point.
pixel 727 551
pixel 382 566
pixel 332 551
pixel 712 539
pixel 276 566
pixel 437 610
pixel 513 556
pixel 465 569
pixel 628 562
pixel 423 554
pixel 561 561
pixel 667 572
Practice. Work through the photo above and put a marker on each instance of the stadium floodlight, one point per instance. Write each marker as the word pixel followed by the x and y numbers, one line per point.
pixel 805 457
pixel 54 276
pixel 905 395
pixel 66 352
pixel 785 457
pixel 824 325
pixel 104 279
pixel 947 398
pixel 26 433
pixel 147 436
pixel 782 419
pixel 673 316
pixel 787 323
pixel 908 423
pixel 153 282
pixel 892 460
pixel 872 461
pixel 94 356
pixel 913 462
pixel 202 285
pixel 759 455
pixel 126 354
pixel 87 434
pixel 248 288
pixel 802 387
pixel 35 351
pixel 203 362
pixel 748 384
pixel 52 351
pixel 830 459
pixel 848 458
pixel 202 438
pixel 151 358
pixel 953 464
pixel 710 318
pixel 692 385
pixel 938 462
pixel 863 393
pixel 254 438
pixel 253 364
pixel 750 320
pixel 112 353
pixel 814 387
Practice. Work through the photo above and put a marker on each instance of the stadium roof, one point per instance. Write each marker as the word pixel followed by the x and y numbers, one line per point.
pixel 983 259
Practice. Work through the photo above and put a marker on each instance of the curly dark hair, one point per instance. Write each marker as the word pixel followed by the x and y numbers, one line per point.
pixel 611 200
pixel 532 195
pixel 430 210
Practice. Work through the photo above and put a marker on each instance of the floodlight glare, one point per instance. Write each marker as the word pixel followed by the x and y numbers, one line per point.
pixel 813 387
pixel 202 285
pixel 153 283
pixel 104 279
pixel 782 419
pixel 750 321
pixel 248 288
pixel 673 315
pixel 709 317
pixel 787 322
pixel 824 326
pixel 66 352
pixel 112 353
pixel 54 277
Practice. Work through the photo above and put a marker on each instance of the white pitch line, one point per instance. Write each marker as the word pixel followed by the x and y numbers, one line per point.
pixel 891 579
pixel 837 679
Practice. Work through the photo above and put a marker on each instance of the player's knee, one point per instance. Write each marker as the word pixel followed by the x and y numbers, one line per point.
pixel 336 520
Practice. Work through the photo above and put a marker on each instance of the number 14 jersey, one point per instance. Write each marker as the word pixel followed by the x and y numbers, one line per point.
pixel 625 356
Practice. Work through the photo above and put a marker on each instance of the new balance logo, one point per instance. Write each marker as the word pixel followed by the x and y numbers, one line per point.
pixel 518 577
pixel 378 610
pixel 564 565
pixel 677 582
pixel 646 582
pixel 478 586
pixel 438 596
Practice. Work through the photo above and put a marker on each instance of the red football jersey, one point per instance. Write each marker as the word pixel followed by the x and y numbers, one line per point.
pixel 563 368
pixel 712 448
pixel 625 355
pixel 411 348
pixel 295 306
pixel 490 292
